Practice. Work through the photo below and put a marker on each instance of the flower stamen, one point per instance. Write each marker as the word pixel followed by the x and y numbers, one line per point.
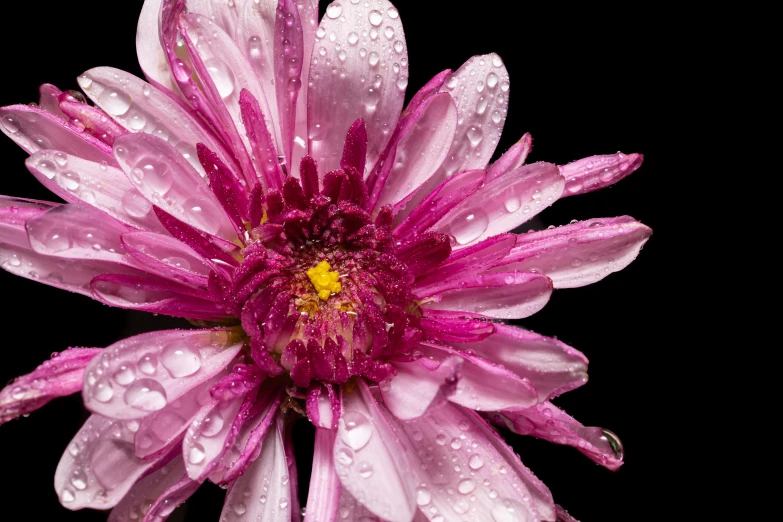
pixel 324 280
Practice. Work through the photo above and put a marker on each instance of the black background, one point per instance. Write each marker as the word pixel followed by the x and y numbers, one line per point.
pixel 583 83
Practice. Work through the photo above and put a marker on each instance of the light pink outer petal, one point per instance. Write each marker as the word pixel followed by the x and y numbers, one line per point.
pixel 166 365
pixel 578 254
pixel 548 422
pixel 207 436
pixel 308 15
pixel 100 185
pixel 288 49
pixel 482 385
pixel 49 100
pixel 597 172
pixel 60 376
pixel 99 467
pixel 508 295
pixel 335 101
pixel 14 215
pixel 422 141
pixel 140 107
pixel 550 366
pixel 155 496
pixel 224 13
pixel 152 58
pixel 323 498
pixel 420 385
pixel 34 129
pixel 454 438
pixel 504 204
pixel 267 481
pixel 512 158
pixel 167 180
pixel 167 257
pixel 367 442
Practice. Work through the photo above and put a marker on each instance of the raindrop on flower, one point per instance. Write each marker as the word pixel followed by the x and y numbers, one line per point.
pixel 356 430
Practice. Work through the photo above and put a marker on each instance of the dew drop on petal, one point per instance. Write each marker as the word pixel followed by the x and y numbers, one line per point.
pixel 146 395
pixel 148 363
pixel 365 470
pixel 114 102
pixel 423 496
pixel 376 18
pixel 124 375
pixel 212 424
pixel 221 76
pixel 344 457
pixel 180 359
pixel 334 10
pixel 196 454
pixel 466 486
pixel 469 226
pixel 103 391
pixel 356 430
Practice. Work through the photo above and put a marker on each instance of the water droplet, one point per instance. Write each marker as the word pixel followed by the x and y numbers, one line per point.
pixel 155 173
pixel 376 18
pixel 146 395
pixel 221 76
pixel 461 506
pixel 604 440
pixel 509 511
pixel 423 496
pixel 180 359
pixel 283 503
pixel 475 135
pixel 46 167
pixel 465 486
pixel 124 375
pixel 475 462
pixel 399 46
pixel 388 33
pixel 67 496
pixel 342 55
pixel 504 86
pixel 146 90
pixel 196 454
pixel 334 10
pixel 135 204
pixel 492 80
pixel 372 97
pixel 60 158
pixel 456 443
pixel 148 363
pixel 512 203
pixel 114 102
pixel 57 241
pixel 344 457
pixel 353 38
pixel 137 121
pixel 496 61
pixel 402 83
pixel 355 430
pixel 69 180
pixel 79 479
pixel 373 58
pixel 469 226
pixel 365 470
pixel 10 124
pixel 481 104
pixel 212 424
pixel 393 13
pixel 496 116
pixel 441 439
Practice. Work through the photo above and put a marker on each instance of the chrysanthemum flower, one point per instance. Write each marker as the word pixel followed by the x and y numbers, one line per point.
pixel 344 260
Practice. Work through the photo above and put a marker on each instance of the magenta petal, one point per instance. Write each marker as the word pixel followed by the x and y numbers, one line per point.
pixel 435 206
pixel 154 498
pixel 504 204
pixel 288 55
pixel 232 196
pixel 164 365
pixel 420 385
pixel 34 129
pixel 578 254
pixel 261 142
pixel 208 246
pixel 152 57
pixel 99 467
pixel 483 385
pixel 90 119
pixel 454 330
pixel 507 295
pixel 550 366
pixel 323 498
pixel 366 443
pixel 597 172
pixel 548 422
pixel 267 478
pixel 355 148
pixel 489 471
pixel 141 108
pixel 512 158
pixel 378 100
pixel 62 375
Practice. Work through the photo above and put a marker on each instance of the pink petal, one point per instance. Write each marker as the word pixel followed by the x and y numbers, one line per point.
pixel 563 516
pixel 49 100
pixel 224 73
pixel 34 129
pixel 597 172
pixel 508 295
pixel 323 498
pixel 288 52
pixel 100 185
pixel 550 366
pixel 435 206
pixel 167 257
pixel 335 101
pixel 267 480
pixel 99 467
pixel 371 460
pixel 62 375
pixel 223 13
pixel 150 53
pixel 76 232
pixel 90 119
pixel 480 90
pixel 489 471
pixel 482 385
pixel 231 194
pixel 504 204
pixel 261 142
pixel 581 253
pixel 548 422
pixel 420 385
pixel 308 15
pixel 323 406
pixel 210 247
pixel 141 108
pixel 511 159
pixel 416 150
pixel 14 215
pixel 166 179
pixel 165 365
pixel 155 497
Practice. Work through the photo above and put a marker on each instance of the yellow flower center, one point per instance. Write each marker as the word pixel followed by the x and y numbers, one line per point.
pixel 324 280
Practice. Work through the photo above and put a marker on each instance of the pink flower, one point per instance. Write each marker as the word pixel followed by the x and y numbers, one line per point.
pixel 345 260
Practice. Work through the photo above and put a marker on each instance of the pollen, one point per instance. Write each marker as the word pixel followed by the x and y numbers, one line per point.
pixel 324 280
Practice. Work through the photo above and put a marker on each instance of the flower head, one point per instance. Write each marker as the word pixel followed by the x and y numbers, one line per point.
pixel 343 260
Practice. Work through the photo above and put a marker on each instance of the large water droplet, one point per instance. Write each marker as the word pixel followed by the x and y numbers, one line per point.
pixel 57 241
pixel 604 440
pixel 402 83
pixel 103 391
pixel 10 124
pixel 465 486
pixel 156 174
pixel 67 496
pixel 365 470
pixel 146 395
pixel 212 424
pixel 240 508
pixel 492 80
pixel 372 97
pixel 376 18
pixel 353 38
pixel 399 46
pixel 388 33
pixel 114 102
pixel 79 479
pixel 469 225
pixel 475 135
pixel 180 359
pixel 148 363
pixel 355 430
pixel 441 439
pixel 46 167
pixel 512 203
pixel 221 76
pixel 423 496
pixel 475 462
pixel 137 121
pixel 196 454
pixel 69 180
pixel 510 511
pixel 373 58
pixel 125 374
pixel 334 10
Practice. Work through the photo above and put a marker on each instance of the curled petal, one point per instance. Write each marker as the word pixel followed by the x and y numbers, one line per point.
pixel 597 172
pixel 164 366
pixel 62 375
pixel 512 158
